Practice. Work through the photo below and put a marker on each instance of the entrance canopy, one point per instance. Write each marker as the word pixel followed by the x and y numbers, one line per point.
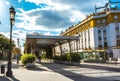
pixel 43 40
pixel 35 42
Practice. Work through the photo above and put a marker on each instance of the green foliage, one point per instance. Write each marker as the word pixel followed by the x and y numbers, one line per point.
pixel 93 56
pixel 4 45
pixel 74 57
pixel 58 58
pixel 43 56
pixel 66 57
pixel 5 42
pixel 27 58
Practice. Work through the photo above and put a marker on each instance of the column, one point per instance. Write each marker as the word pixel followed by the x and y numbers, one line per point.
pixel 60 48
pixel 31 47
pixel 77 46
pixel 53 51
pixel 69 46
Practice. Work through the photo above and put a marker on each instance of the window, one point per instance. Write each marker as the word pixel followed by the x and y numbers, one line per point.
pixel 117 28
pixel 117 36
pixel 117 31
pixel 100 46
pixel 118 43
pixel 98 21
pixel 105 38
pixel 99 31
pixel 104 31
pixel 105 44
pixel 99 38
pixel 116 25
pixel 103 21
pixel 116 17
pixel 111 54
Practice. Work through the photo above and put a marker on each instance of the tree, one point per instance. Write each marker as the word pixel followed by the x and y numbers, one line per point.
pixel 4 44
pixel 16 50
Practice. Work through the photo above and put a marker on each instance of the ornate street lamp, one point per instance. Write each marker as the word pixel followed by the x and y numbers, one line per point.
pixel 12 20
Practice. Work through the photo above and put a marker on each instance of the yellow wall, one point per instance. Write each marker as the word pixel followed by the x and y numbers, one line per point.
pixel 78 28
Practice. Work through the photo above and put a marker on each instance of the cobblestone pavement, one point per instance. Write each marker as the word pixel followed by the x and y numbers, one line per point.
pixel 48 71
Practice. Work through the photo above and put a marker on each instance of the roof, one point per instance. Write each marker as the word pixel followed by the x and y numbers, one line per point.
pixel 45 40
pixel 51 37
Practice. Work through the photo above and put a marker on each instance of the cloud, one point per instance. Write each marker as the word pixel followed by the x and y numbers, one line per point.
pixel 49 18
pixel 20 1
pixel 53 19
pixel 37 2
pixel 7 3
pixel 56 15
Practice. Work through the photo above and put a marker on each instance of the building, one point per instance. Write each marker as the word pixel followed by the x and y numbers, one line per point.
pixel 99 33
pixel 97 36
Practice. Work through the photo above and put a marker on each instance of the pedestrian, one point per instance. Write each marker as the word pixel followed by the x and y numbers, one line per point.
pixel 39 58
pixel 17 58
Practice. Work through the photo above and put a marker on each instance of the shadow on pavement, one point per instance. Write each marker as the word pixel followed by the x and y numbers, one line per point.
pixel 36 68
pixel 75 77
pixel 4 78
pixel 100 67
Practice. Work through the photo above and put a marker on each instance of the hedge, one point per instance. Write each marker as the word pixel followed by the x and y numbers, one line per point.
pixel 73 57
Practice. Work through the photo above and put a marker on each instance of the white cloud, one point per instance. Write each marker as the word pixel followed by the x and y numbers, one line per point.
pixel 57 16
pixel 37 2
pixel 47 33
pixel 7 3
pixel 53 4
pixel 30 17
pixel 6 34
pixel 77 16
pixel 20 1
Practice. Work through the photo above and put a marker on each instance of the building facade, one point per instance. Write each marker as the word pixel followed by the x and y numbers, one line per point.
pixel 99 33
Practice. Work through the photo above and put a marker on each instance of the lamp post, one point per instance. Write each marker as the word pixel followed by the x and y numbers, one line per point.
pixel 18 41
pixel 12 20
pixel 19 51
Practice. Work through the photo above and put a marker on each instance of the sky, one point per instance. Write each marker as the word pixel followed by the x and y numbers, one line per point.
pixel 46 17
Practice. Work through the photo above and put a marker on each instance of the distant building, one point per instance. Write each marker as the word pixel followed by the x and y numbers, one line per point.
pixel 98 32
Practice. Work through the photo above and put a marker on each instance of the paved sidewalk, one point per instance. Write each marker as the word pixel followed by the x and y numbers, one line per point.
pixel 48 71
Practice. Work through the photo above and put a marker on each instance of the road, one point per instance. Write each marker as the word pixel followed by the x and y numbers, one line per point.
pixel 48 71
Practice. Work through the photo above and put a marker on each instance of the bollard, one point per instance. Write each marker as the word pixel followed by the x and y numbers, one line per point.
pixel 2 69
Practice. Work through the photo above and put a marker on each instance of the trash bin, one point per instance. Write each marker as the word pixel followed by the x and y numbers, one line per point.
pixel 2 69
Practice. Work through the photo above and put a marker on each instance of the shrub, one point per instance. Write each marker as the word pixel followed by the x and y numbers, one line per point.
pixel 68 57
pixel 58 58
pixel 43 56
pixel 27 58
pixel 64 57
pixel 75 57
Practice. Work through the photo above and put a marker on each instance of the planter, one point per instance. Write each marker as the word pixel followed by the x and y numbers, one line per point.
pixel 29 65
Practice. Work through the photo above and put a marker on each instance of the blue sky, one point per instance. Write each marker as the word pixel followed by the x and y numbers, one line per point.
pixel 47 17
